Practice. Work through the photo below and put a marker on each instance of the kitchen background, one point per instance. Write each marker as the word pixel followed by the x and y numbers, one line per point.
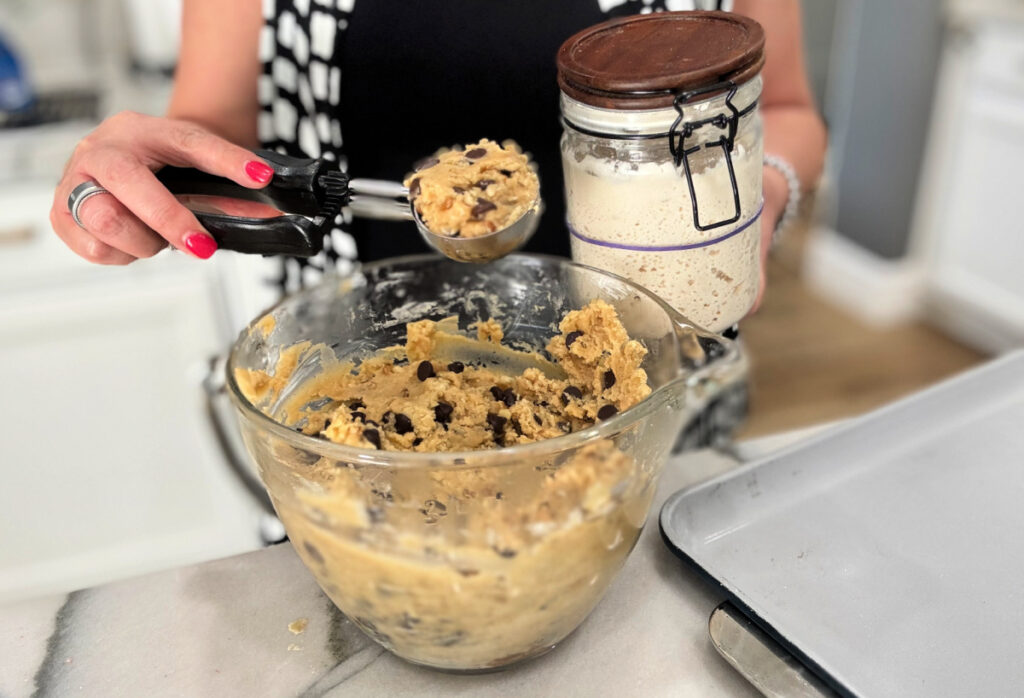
pixel 904 271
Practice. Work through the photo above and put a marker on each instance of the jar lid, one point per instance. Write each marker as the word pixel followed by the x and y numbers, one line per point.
pixel 643 61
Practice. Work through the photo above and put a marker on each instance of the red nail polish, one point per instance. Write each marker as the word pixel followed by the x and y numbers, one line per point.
pixel 259 171
pixel 201 245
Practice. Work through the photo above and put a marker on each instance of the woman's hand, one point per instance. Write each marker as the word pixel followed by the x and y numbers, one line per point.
pixel 776 192
pixel 139 216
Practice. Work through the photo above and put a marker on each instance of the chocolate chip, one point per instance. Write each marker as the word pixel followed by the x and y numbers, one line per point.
pixel 572 337
pixel 571 391
pixel 425 370
pixel 484 183
pixel 312 551
pixel 435 506
pixel 403 425
pixel 417 441
pixel 458 190
pixel 373 436
pixel 425 163
pixel 456 367
pixel 608 379
pixel 607 411
pixel 505 552
pixel 506 173
pixel 565 426
pixel 361 416
pixel 504 395
pixel 543 403
pixel 537 419
pixel 482 207
pixel 443 413
pixel 476 153
pixel 433 510
pixel 517 427
pixel 498 495
pixel 356 404
pixel 327 423
pixel 496 422
pixel 414 188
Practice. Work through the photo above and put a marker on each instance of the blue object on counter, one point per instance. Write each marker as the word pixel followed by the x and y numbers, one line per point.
pixel 15 91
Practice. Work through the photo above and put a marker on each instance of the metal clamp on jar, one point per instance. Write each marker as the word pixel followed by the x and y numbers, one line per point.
pixel 662 155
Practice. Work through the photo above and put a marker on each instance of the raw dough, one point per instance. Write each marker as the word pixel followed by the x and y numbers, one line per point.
pixel 416 402
pixel 465 567
pixel 473 192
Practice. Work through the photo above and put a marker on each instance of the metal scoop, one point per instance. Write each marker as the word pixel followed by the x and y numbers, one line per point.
pixel 373 198
pixel 310 194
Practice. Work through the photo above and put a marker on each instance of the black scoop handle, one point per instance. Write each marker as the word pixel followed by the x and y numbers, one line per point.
pixel 313 189
pixel 295 236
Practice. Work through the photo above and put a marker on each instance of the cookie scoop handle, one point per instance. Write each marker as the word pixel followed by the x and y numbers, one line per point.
pixel 291 235
pixel 308 192
pixel 299 185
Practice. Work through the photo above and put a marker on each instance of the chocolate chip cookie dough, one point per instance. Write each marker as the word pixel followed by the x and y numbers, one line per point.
pixel 414 402
pixel 473 192
pixel 465 567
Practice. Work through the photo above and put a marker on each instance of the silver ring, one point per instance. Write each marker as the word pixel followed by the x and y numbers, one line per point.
pixel 80 194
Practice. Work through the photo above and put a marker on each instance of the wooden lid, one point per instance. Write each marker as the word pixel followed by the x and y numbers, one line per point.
pixel 641 62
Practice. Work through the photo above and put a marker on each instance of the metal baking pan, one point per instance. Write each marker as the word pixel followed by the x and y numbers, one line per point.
pixel 887 554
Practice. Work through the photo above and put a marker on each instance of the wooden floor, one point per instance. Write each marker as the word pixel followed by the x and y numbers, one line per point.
pixel 813 363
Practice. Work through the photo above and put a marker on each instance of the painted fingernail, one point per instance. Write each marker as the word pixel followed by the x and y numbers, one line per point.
pixel 201 245
pixel 258 171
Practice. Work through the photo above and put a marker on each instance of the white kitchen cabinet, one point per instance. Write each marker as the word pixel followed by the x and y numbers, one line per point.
pixel 969 227
pixel 108 467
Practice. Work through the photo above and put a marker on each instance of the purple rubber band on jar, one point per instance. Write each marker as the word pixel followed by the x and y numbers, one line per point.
pixel 669 248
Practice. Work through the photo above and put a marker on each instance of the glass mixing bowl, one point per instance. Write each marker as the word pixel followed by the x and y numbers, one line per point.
pixel 469 561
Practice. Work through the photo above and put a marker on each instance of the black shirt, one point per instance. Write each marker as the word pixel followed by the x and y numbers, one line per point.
pixel 379 84
pixel 452 72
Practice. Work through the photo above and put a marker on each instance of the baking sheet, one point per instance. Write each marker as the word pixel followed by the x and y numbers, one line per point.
pixel 888 554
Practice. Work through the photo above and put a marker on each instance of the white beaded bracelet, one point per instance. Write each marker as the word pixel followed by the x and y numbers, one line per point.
pixel 789 213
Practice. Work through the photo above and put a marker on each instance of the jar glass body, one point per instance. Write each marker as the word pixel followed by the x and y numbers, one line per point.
pixel 630 209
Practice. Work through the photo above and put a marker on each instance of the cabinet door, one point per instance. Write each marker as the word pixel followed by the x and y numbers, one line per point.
pixel 971 205
pixel 980 251
pixel 108 466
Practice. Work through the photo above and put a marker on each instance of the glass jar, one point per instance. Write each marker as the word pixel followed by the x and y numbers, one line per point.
pixel 663 160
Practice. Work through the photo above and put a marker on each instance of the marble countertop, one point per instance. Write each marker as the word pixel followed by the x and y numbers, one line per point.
pixel 221 628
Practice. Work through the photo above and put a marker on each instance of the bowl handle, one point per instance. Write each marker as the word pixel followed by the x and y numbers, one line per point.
pixel 217 407
pixel 713 387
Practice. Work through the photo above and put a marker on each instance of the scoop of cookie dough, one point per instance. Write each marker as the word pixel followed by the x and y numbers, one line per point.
pixel 473 192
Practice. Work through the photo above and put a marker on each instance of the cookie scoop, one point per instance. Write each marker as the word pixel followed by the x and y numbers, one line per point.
pixel 468 221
